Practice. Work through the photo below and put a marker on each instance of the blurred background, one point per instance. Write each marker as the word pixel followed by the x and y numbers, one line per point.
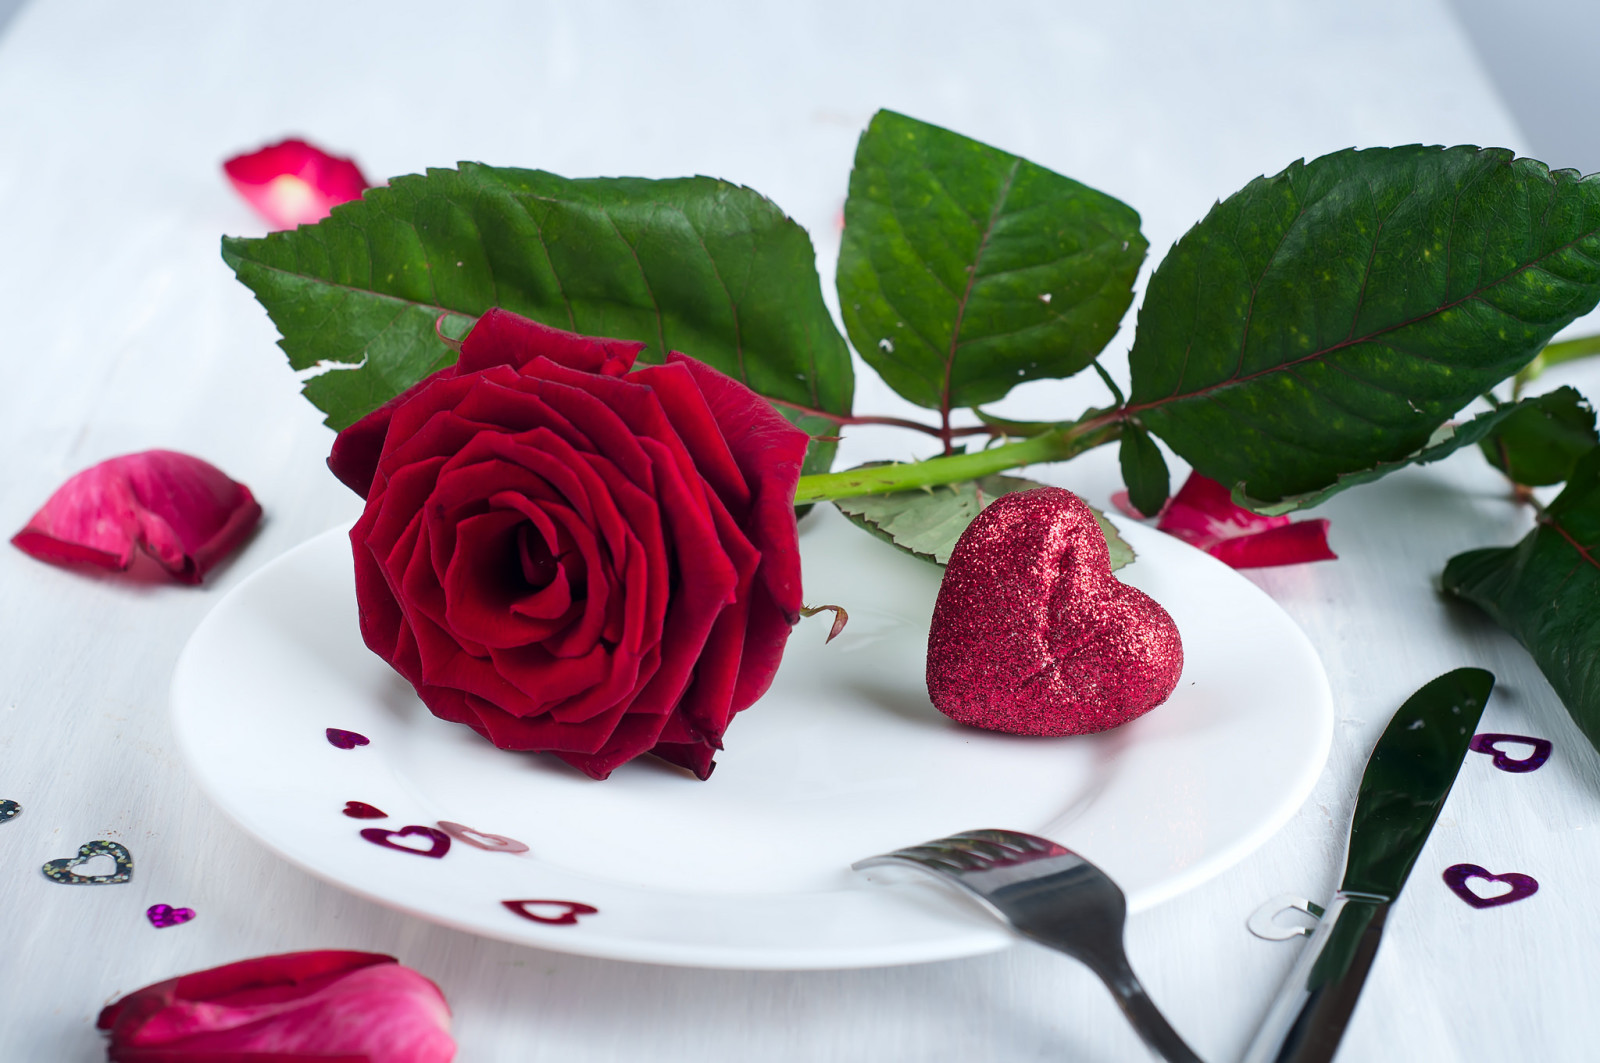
pixel 1538 53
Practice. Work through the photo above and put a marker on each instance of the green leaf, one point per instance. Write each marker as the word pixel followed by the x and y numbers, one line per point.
pixel 691 264
pixel 1144 470
pixel 965 270
pixel 1543 591
pixel 1445 441
pixel 1543 439
pixel 927 523
pixel 1327 320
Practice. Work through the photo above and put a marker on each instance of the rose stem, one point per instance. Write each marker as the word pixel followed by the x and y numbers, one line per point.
pixel 884 479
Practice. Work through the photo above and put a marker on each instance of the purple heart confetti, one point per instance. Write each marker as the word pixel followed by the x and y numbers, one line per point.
pixel 565 912
pixel 385 838
pixel 165 915
pixel 362 810
pixel 341 739
pixel 1489 743
pixel 1457 875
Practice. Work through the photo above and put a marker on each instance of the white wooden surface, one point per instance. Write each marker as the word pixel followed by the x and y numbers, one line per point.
pixel 125 331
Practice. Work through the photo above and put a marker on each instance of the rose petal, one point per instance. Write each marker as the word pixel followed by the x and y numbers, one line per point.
pixel 1290 544
pixel 498 338
pixel 1203 515
pixel 294 183
pixel 301 1006
pixel 184 512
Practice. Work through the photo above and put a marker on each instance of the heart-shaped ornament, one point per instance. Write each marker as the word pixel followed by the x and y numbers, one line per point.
pixel 165 915
pixel 554 913
pixel 342 739
pixel 1033 635
pixel 362 810
pixel 9 810
pixel 62 870
pixel 386 838
pixel 495 843
pixel 1458 877
pixel 1490 743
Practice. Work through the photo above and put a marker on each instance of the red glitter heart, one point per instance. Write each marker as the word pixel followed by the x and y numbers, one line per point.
pixel 385 838
pixel 362 810
pixel 569 915
pixel 1033 635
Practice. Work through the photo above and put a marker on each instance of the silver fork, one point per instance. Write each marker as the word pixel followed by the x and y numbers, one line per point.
pixel 1051 895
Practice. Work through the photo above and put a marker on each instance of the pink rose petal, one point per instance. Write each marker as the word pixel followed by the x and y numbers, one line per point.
pixel 183 512
pixel 294 183
pixel 301 1006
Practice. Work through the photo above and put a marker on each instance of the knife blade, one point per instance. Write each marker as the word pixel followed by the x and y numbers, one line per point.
pixel 1408 777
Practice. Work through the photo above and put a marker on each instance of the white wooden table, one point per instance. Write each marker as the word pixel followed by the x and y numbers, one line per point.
pixel 126 331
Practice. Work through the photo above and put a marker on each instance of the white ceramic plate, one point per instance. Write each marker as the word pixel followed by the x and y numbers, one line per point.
pixel 844 758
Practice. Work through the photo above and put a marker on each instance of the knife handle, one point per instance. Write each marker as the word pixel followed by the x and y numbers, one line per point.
pixel 1309 1015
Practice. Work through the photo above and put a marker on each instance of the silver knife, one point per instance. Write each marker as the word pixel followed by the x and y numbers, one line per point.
pixel 1405 784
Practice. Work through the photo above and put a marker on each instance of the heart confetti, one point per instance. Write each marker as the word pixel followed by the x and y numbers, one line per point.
pixel 1457 875
pixel 165 915
pixel 1489 743
pixel 1033 635
pixel 61 870
pixel 341 739
pixel 495 843
pixel 362 810
pixel 570 910
pixel 9 810
pixel 379 836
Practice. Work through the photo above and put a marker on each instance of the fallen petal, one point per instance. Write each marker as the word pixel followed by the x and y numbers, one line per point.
pixel 294 183
pixel 301 1006
pixel 185 513
pixel 1289 544
pixel 1204 515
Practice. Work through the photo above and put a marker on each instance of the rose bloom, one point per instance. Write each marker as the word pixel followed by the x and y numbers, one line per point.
pixel 360 1007
pixel 570 557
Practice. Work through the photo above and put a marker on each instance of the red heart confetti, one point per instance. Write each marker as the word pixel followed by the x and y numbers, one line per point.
pixel 1488 743
pixel 570 910
pixel 165 915
pixel 1033 635
pixel 362 810
pixel 346 739
pixel 495 843
pixel 1456 877
pixel 379 836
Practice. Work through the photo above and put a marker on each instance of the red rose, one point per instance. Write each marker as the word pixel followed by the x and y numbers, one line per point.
pixel 336 1007
pixel 570 557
